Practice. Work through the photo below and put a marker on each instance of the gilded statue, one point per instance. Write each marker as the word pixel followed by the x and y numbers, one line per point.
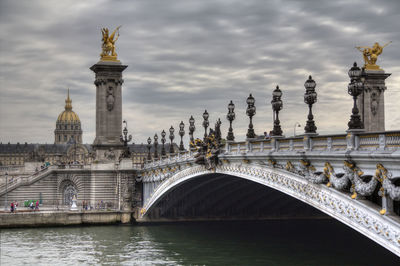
pixel 371 54
pixel 108 46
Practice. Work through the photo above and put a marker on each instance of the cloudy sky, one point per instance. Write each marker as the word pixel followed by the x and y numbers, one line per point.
pixel 187 56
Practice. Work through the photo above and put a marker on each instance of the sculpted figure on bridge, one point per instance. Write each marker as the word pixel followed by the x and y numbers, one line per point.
pixel 108 46
pixel 309 172
pixel 371 54
pixel 339 181
pixel 361 184
pixel 207 151
pixel 388 183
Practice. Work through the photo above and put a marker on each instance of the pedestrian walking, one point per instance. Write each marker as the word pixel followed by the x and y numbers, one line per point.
pixel 12 207
pixel 37 205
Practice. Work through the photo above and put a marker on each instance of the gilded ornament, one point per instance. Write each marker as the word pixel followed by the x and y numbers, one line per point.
pixel 108 46
pixel 370 55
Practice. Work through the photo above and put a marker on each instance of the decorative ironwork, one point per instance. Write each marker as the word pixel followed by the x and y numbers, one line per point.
pixel 205 123
pixel 230 116
pixel 149 148
pixel 155 146
pixel 355 88
pixel 171 137
pixel 192 128
pixel 276 107
pixel 250 111
pixel 163 134
pixel 181 134
pixel 217 130
pixel 310 97
pixel 207 151
pixel 125 139
pixel 69 193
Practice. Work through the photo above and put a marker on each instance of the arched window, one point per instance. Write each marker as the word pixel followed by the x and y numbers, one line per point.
pixel 68 195
pixel 65 137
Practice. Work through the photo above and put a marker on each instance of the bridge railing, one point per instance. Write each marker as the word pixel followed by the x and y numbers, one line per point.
pixel 388 140
pixel 170 159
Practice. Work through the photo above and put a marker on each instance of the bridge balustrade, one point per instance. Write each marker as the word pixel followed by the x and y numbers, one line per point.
pixel 306 156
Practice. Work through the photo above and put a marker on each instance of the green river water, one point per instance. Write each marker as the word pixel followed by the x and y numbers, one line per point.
pixel 291 242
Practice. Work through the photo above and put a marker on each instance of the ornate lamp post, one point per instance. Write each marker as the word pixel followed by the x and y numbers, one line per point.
pixel 181 133
pixel 155 146
pixel 149 148
pixel 6 198
pixel 218 135
pixel 251 111
pixel 192 128
pixel 230 116
pixel 355 88
pixel 205 123
pixel 297 124
pixel 125 139
pixel 310 97
pixel 276 107
pixel 163 134
pixel 171 137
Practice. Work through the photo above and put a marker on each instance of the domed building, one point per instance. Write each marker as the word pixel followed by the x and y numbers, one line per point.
pixel 68 125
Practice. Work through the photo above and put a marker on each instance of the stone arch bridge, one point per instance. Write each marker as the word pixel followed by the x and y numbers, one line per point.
pixel 352 178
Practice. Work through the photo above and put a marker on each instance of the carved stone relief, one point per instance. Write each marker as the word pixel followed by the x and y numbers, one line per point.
pixel 110 99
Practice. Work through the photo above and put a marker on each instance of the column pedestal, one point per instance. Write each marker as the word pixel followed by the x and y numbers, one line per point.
pixel 108 83
pixel 371 102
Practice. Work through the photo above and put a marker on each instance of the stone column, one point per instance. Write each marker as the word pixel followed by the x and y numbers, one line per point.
pixel 108 83
pixel 371 102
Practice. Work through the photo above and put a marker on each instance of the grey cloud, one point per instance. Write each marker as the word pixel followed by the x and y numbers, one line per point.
pixel 187 56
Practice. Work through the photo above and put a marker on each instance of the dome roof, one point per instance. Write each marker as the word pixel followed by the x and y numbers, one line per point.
pixel 68 116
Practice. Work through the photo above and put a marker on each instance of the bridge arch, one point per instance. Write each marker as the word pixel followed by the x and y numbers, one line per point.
pixel 357 214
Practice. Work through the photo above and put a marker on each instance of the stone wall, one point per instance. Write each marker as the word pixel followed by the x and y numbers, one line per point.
pixel 101 184
pixel 37 219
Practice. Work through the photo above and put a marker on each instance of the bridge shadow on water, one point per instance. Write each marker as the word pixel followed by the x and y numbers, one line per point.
pixel 273 242
pixel 258 224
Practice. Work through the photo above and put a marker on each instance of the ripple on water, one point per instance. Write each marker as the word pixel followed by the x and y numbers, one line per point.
pixel 193 244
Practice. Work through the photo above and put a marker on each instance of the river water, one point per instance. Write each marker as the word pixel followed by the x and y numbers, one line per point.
pixel 291 242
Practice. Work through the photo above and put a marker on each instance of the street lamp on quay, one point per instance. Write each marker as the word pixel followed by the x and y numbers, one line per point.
pixel 205 123
pixel 355 88
pixel 231 116
pixel 192 128
pixel 181 134
pixel 125 139
pixel 149 148
pixel 6 198
pixel 250 111
pixel 163 134
pixel 297 124
pixel 276 107
pixel 310 97
pixel 171 137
